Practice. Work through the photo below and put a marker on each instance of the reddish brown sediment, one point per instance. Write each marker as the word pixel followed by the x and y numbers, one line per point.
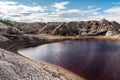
pixel 57 37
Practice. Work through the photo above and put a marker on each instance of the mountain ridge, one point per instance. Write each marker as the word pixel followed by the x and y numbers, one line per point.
pixel 73 28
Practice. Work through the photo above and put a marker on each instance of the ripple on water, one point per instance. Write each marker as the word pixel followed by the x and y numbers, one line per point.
pixel 95 60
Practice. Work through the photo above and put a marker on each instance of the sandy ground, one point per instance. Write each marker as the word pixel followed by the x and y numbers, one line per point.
pixel 50 37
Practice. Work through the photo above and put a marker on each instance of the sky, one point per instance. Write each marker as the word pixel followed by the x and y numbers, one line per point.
pixel 59 10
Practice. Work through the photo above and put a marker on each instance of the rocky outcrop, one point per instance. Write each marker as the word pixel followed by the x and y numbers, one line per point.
pixel 49 27
pixel 3 39
pixel 110 33
pixel 4 30
pixel 16 67
pixel 15 42
pixel 83 28
pixel 28 27
pixel 13 30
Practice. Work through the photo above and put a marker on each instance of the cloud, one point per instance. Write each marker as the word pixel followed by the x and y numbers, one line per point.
pixel 96 13
pixel 112 14
pixel 18 12
pixel 90 7
pixel 34 3
pixel 7 3
pixel 74 13
pixel 115 2
pixel 59 6
pixel 109 17
pixel 92 10
pixel 55 12
pixel 115 10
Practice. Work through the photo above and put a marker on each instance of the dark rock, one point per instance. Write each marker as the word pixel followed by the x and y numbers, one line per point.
pixel 13 30
pixel 31 28
pixel 48 28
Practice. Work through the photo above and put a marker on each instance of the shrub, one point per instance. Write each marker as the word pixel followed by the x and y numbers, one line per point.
pixel 7 22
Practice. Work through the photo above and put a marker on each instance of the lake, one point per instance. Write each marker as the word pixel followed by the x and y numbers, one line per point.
pixel 94 60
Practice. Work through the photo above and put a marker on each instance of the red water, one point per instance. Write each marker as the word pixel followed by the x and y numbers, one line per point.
pixel 94 60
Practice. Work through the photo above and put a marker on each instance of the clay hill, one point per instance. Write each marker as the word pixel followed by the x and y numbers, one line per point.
pixel 82 28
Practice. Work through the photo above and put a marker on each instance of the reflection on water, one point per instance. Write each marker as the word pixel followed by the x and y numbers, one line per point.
pixel 95 60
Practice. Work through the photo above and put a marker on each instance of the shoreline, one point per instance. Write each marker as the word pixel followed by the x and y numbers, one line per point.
pixel 54 67
pixel 35 40
pixel 57 37
pixel 28 66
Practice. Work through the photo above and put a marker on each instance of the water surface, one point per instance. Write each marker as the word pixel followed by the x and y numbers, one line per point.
pixel 94 60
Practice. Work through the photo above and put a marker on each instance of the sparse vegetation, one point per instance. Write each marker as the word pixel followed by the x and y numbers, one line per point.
pixel 20 29
pixel 7 22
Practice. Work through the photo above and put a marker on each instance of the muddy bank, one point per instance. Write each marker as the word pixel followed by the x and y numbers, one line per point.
pixel 17 42
pixel 16 67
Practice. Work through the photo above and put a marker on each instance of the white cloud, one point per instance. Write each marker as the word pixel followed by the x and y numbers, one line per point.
pixel 115 10
pixel 55 12
pixel 18 12
pixel 74 13
pixel 90 7
pixel 95 13
pixel 115 2
pixel 109 17
pixel 8 3
pixel 59 6
pixel 92 10
pixel 34 3
pixel 112 14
